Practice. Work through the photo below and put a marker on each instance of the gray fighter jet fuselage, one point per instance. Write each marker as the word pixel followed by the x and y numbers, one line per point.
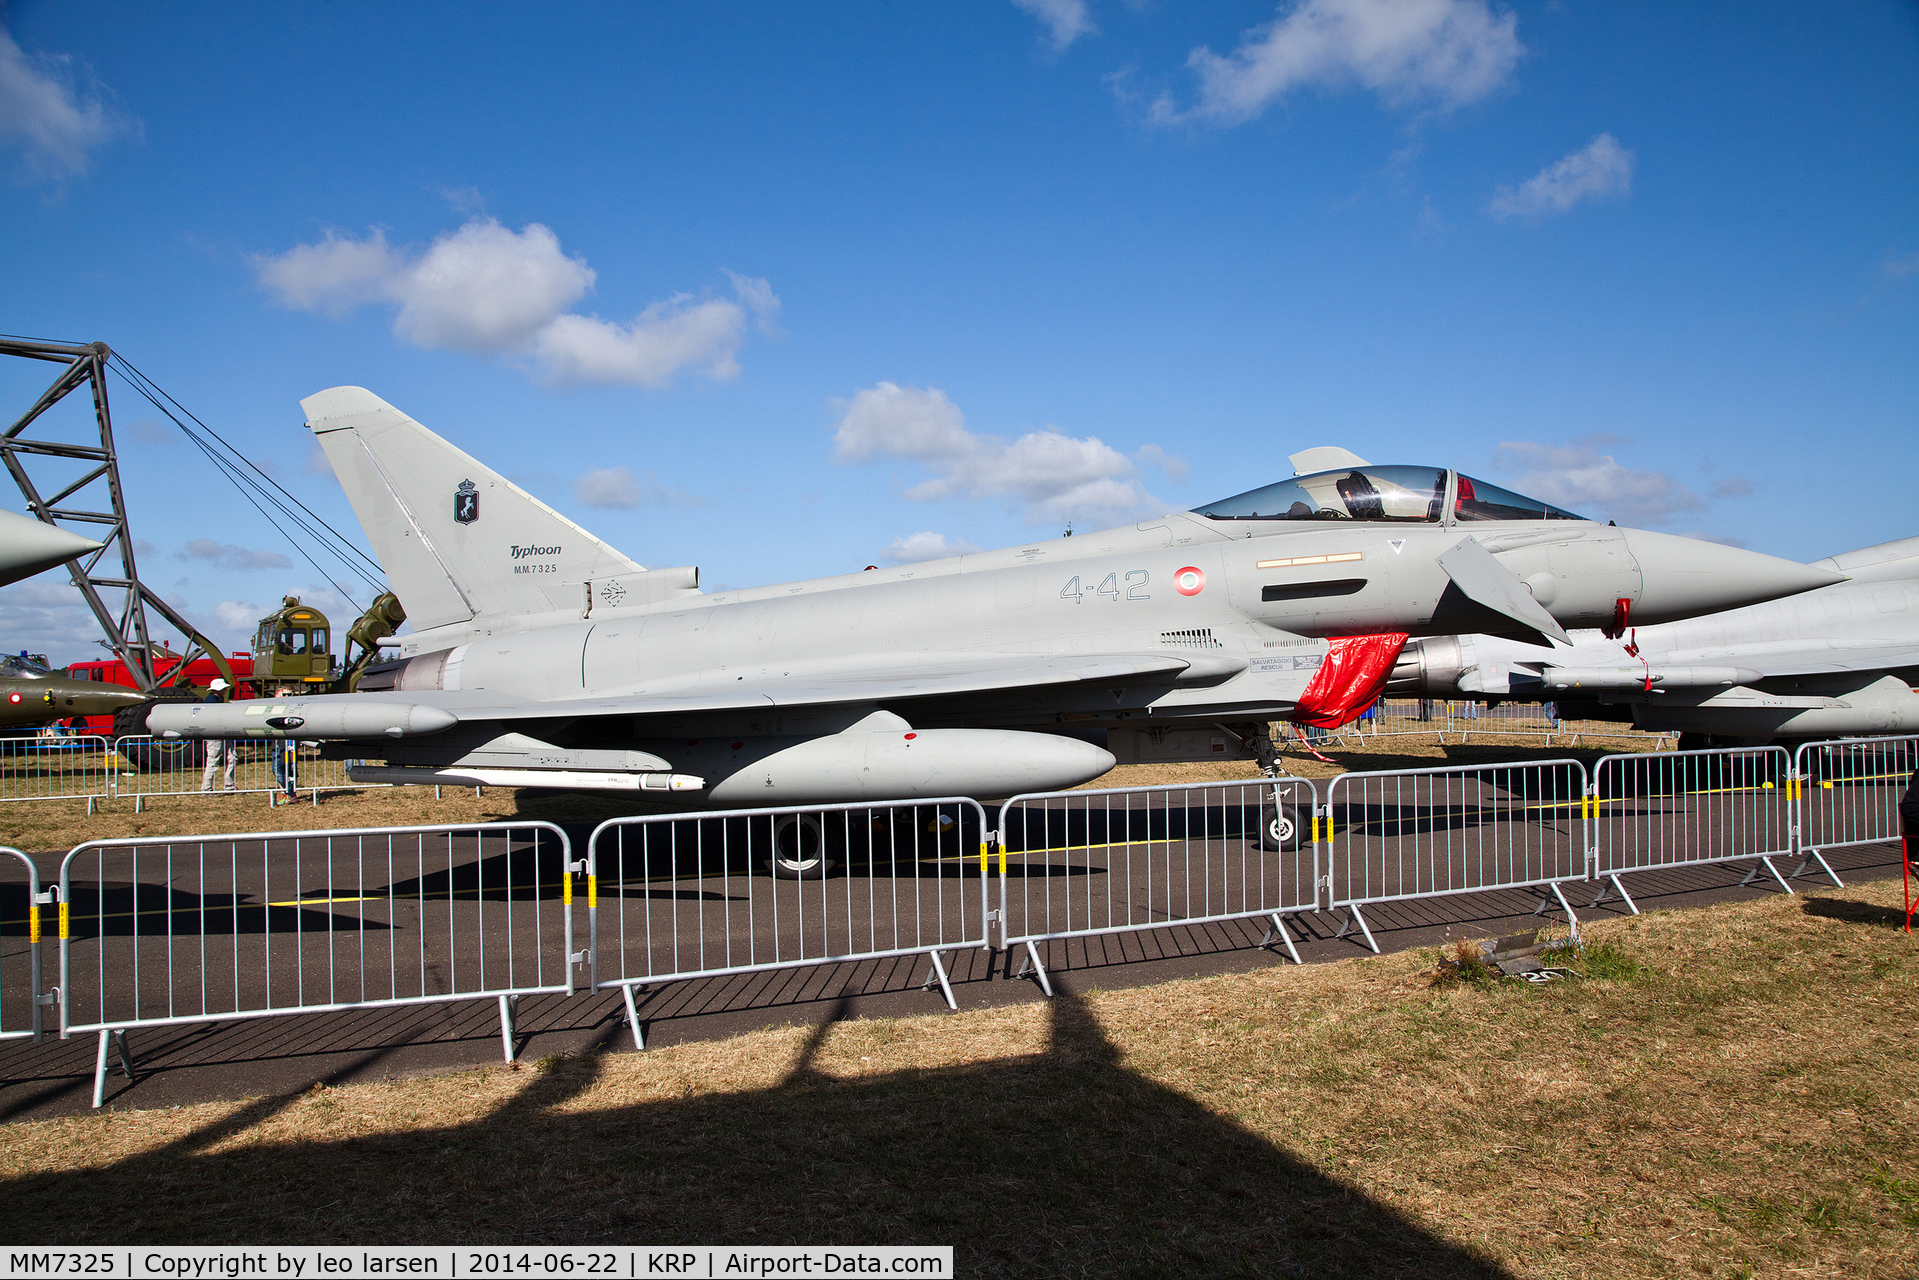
pixel 1841 660
pixel 542 656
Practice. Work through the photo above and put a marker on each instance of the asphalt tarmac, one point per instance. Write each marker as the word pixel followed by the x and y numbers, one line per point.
pixel 204 930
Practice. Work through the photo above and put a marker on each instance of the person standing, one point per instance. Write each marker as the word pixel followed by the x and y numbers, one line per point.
pixel 218 747
pixel 286 755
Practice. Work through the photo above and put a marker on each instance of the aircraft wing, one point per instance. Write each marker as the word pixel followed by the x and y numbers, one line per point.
pixel 1802 657
pixel 408 713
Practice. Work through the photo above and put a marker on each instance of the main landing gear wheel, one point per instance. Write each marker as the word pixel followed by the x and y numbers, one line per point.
pixel 799 848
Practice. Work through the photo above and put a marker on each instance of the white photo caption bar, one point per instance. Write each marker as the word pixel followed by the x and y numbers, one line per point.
pixel 305 1262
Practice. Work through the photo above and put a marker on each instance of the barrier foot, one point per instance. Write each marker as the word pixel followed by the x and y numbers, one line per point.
pixel 938 975
pixel 633 1019
pixel 1767 864
pixel 1033 967
pixel 119 1042
pixel 1620 888
pixel 1812 856
pixel 1353 917
pixel 1278 929
pixel 1572 918
pixel 509 1026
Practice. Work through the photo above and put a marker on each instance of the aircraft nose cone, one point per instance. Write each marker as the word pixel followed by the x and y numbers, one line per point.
pixel 1685 577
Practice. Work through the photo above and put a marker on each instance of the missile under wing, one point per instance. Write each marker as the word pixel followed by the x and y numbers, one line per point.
pixel 1842 659
pixel 543 656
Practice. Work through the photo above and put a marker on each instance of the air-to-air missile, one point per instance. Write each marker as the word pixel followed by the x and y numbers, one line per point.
pixel 542 656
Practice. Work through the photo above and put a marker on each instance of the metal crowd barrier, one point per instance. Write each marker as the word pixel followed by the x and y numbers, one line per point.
pixel 21 996
pixel 1665 809
pixel 79 767
pixel 687 896
pixel 1076 864
pixel 249 766
pixel 1428 833
pixel 1871 772
pixel 170 930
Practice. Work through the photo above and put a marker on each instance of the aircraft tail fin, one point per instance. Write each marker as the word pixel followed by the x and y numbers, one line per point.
pixel 457 539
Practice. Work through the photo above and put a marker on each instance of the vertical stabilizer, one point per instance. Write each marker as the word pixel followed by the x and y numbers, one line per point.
pixel 457 539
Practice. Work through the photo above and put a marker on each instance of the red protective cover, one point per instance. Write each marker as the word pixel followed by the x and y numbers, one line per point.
pixel 1350 680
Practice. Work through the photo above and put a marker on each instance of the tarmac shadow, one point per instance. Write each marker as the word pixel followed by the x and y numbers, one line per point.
pixel 1054 1163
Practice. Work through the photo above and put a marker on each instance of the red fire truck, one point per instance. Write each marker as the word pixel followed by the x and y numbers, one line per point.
pixel 198 675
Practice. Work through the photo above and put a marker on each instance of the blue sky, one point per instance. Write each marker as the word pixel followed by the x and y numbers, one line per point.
pixel 785 290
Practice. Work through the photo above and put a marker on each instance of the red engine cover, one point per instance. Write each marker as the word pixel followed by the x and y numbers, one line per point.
pixel 1350 680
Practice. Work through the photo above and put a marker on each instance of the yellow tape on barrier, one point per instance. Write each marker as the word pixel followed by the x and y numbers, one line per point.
pixel 982 857
pixel 63 922
pixel 33 923
pixel 592 893
pixel 566 887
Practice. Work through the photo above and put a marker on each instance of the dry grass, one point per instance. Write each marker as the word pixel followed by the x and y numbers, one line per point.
pixel 1738 1101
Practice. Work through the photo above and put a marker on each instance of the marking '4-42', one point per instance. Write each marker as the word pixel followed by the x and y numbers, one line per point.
pixel 1110 587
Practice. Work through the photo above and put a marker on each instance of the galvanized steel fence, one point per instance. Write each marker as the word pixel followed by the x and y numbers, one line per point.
pixel 156 931
pixel 1077 864
pixel 166 930
pixel 1669 809
pixel 22 997
pixel 93 768
pixel 1848 792
pixel 62 767
pixel 1464 829
pixel 684 896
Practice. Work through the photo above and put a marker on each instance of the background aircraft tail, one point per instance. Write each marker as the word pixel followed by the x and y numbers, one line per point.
pixel 457 539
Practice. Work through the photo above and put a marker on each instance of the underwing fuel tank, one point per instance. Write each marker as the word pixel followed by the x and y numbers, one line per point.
pixel 903 764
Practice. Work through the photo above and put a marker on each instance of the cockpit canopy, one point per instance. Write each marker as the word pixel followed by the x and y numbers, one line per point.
pixel 1390 494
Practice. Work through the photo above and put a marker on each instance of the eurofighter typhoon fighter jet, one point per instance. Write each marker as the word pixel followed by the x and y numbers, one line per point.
pixel 1836 661
pixel 544 657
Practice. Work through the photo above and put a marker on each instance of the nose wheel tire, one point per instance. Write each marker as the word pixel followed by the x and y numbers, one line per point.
pixel 1279 828
pixel 799 849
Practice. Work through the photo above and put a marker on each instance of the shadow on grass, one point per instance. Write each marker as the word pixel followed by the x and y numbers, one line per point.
pixel 1851 912
pixel 1061 1162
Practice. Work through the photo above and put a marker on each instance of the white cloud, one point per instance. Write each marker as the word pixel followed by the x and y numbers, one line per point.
pixel 1050 474
pixel 49 617
pixel 225 555
pixel 619 488
pixel 237 616
pixel 1600 168
pixel 331 277
pixel 490 291
pixel 662 340
pixel 1446 52
pixel 926 546
pixel 1151 455
pixel 484 289
pixel 1065 20
pixel 316 463
pixel 1579 477
pixel 1900 268
pixel 756 294
pixel 54 127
